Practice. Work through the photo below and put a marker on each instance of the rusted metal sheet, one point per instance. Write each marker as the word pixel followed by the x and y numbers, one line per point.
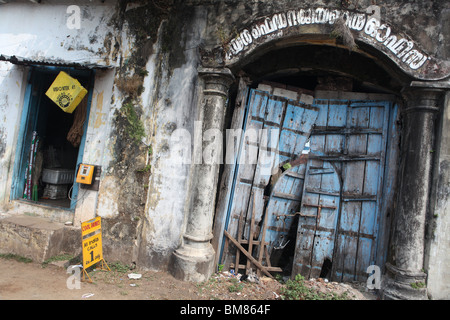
pixel 50 62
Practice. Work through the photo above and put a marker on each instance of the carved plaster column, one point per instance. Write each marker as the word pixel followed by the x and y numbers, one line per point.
pixel 194 259
pixel 406 252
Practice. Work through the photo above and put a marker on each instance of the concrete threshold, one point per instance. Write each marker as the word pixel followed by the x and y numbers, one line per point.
pixel 38 238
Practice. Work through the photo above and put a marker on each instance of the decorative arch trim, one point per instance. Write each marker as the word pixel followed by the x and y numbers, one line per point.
pixel 366 27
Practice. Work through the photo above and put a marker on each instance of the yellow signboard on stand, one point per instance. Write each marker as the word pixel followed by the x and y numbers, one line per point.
pixel 91 239
pixel 91 226
pixel 92 250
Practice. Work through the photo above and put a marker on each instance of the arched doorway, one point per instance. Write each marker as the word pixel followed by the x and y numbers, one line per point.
pixel 331 217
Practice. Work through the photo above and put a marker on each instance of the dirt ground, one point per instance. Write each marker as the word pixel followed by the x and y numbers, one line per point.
pixel 33 281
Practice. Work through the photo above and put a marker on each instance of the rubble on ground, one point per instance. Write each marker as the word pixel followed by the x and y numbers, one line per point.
pixel 229 286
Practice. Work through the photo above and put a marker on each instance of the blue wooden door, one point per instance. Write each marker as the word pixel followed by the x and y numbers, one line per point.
pixel 342 194
pixel 282 205
pixel 27 125
pixel 317 219
pixel 276 130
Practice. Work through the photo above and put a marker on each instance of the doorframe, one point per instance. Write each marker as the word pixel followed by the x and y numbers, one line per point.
pixel 20 155
pixel 226 187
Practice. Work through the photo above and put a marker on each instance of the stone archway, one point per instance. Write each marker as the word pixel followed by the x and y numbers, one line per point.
pixel 401 58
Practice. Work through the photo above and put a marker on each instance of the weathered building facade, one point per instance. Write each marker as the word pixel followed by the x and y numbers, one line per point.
pixel 359 88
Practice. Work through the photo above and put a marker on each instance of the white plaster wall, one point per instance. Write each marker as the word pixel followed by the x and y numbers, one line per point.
pixel 12 90
pixel 439 253
pixel 41 31
pixel 166 200
pixel 173 109
pixel 97 135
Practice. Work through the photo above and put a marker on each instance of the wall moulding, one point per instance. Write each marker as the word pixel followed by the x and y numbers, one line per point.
pixel 368 28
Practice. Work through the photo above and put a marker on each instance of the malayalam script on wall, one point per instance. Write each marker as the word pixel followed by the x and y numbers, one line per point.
pixel 367 26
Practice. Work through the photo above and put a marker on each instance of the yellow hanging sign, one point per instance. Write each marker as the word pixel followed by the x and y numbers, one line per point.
pixel 66 92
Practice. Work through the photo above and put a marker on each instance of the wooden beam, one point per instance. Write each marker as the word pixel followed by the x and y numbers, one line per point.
pixel 256 262
pixel 274 269
pixel 250 236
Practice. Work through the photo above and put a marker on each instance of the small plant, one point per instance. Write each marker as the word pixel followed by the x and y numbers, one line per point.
pixel 279 277
pixel 145 169
pixel 12 256
pixel 297 290
pixel 222 35
pixel 236 286
pixel 142 72
pixel 150 150
pixel 417 285
pixel 135 128
pixel 220 267
pixel 61 257
pixel 118 267
pixel 131 85
pixel 208 286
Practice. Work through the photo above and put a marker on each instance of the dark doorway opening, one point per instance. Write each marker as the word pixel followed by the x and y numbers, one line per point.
pixel 51 142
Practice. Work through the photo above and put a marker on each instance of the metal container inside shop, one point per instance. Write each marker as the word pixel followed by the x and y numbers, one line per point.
pixel 55 191
pixel 58 176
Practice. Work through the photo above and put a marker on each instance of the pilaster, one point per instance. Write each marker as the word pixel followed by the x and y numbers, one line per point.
pixel 194 259
pixel 405 278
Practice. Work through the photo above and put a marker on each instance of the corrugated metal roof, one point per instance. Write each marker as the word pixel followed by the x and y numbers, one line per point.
pixel 50 62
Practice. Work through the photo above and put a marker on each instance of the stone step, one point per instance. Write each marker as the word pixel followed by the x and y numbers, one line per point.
pixel 38 238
